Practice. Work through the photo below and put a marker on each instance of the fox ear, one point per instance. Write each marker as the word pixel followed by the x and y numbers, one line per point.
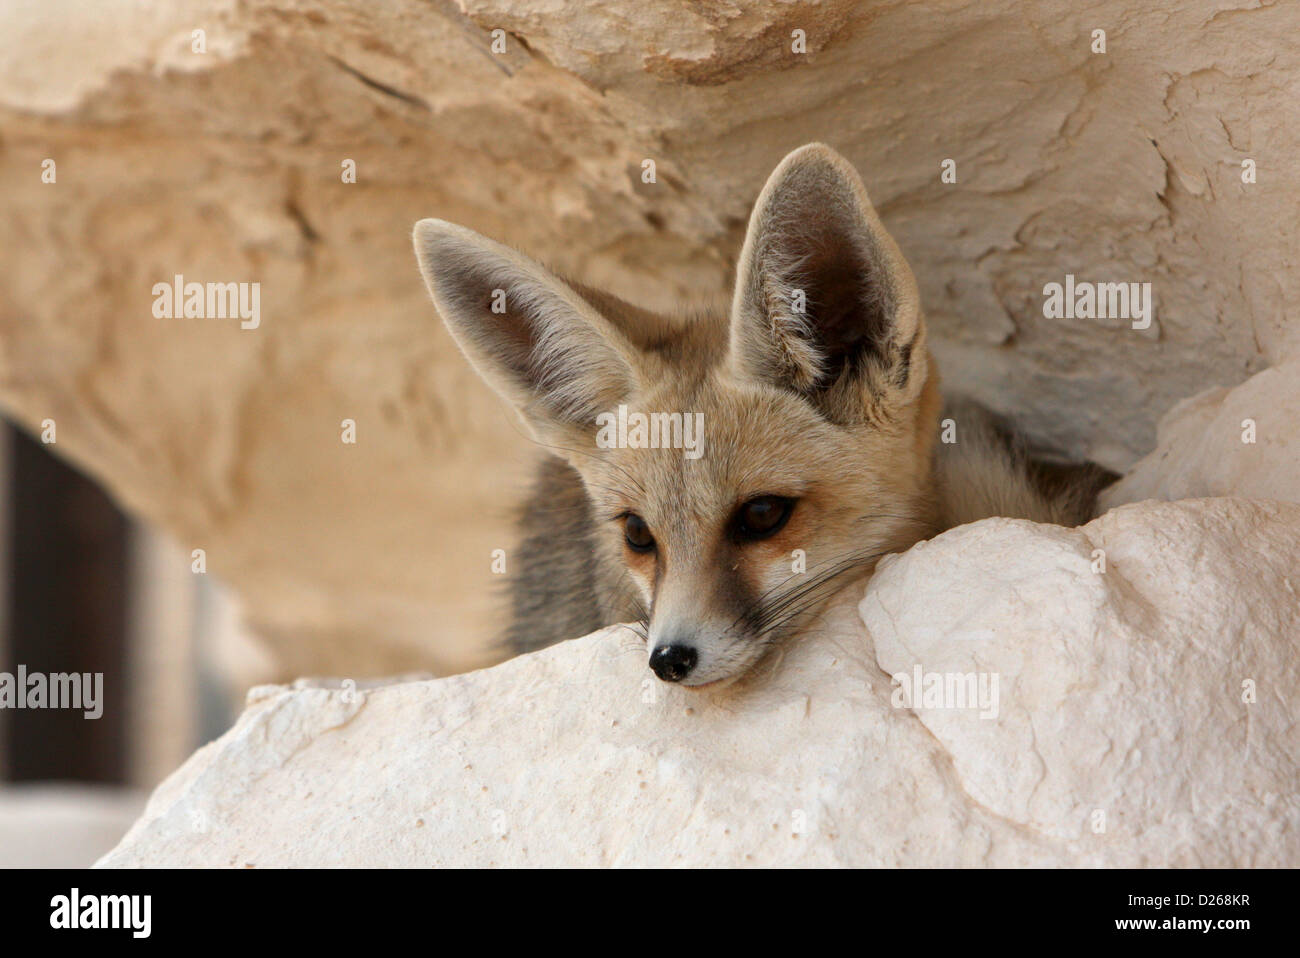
pixel 825 305
pixel 527 333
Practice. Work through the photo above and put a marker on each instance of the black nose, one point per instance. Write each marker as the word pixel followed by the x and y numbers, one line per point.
pixel 672 663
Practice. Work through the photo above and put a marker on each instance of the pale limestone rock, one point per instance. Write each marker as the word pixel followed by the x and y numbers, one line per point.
pixel 225 166
pixel 1239 441
pixel 1120 691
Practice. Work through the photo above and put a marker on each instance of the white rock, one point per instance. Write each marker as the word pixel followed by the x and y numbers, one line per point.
pixel 1120 692
pixel 1224 442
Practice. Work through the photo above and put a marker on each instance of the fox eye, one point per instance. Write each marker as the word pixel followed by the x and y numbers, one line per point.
pixel 762 517
pixel 637 533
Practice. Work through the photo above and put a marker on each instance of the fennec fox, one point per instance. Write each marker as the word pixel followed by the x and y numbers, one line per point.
pixel 689 459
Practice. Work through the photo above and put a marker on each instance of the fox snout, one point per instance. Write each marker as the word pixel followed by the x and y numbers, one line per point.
pixel 705 658
pixel 705 655
pixel 674 662
pixel 697 662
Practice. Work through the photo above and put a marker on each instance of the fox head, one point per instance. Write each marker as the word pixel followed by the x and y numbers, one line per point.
pixel 816 399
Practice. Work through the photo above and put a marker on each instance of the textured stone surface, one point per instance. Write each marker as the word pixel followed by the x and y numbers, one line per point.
pixel 1121 695
pixel 1122 691
pixel 225 166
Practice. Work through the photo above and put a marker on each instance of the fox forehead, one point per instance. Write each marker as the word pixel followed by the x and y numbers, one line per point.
pixel 755 441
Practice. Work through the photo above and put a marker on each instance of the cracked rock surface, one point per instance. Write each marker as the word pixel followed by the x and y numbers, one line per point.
pixel 1123 733
pixel 225 166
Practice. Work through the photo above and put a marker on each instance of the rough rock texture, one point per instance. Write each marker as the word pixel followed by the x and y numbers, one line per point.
pixel 1224 442
pixel 1122 734
pixel 225 166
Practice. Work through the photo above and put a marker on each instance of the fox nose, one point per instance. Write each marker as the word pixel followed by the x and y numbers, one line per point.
pixel 672 663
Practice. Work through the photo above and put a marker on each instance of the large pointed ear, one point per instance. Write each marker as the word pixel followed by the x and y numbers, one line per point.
pixel 527 333
pixel 825 304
